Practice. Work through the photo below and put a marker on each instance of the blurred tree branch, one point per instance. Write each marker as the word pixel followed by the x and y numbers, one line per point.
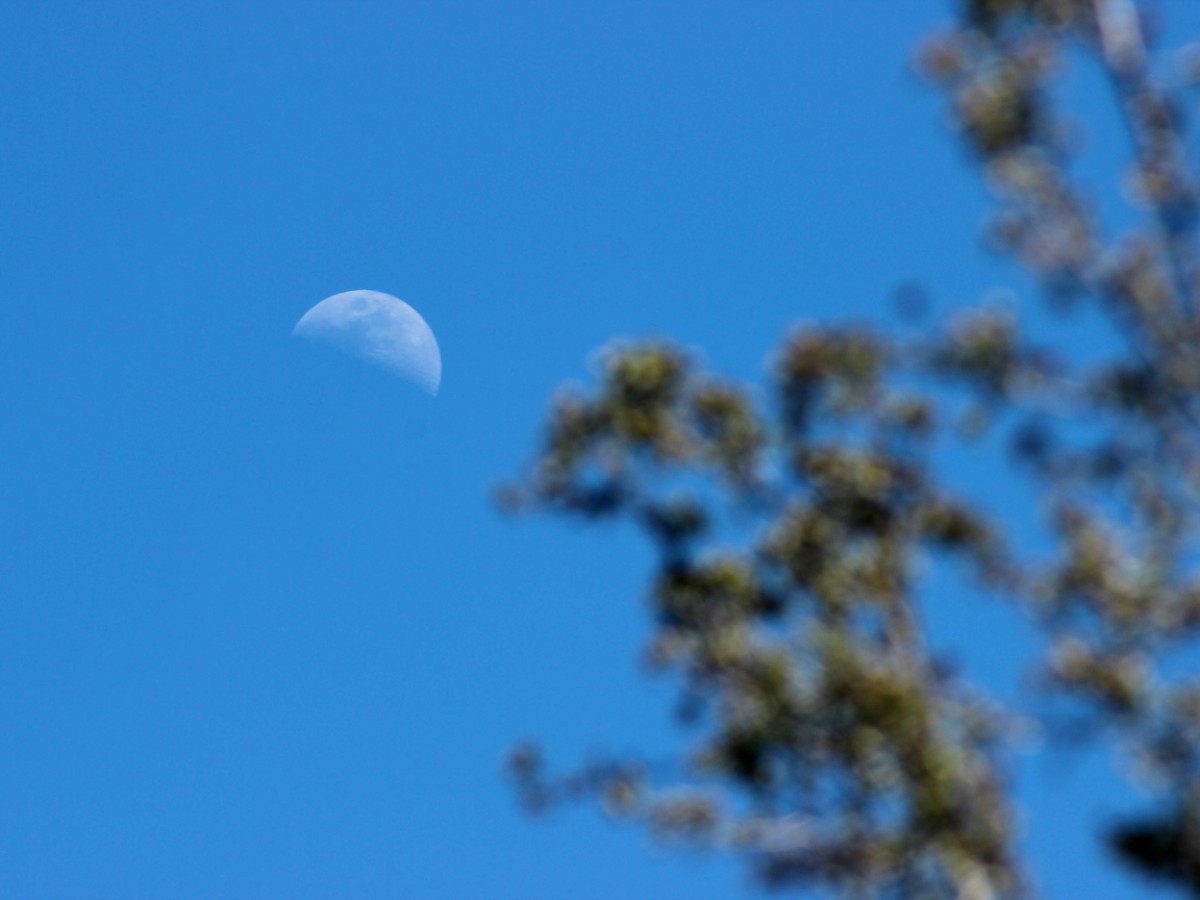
pixel 830 745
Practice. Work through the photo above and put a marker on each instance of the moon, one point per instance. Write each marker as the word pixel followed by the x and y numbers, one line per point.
pixel 379 328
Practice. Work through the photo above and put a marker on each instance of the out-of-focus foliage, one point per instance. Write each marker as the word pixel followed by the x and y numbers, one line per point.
pixel 829 746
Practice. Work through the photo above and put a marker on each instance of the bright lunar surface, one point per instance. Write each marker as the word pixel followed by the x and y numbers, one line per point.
pixel 379 328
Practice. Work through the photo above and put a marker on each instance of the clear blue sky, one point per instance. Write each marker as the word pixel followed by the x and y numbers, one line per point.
pixel 261 632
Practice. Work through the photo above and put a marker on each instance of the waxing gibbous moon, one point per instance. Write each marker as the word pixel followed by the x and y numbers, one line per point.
pixel 379 328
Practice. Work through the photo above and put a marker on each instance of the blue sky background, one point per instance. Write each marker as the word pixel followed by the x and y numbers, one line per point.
pixel 261 632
